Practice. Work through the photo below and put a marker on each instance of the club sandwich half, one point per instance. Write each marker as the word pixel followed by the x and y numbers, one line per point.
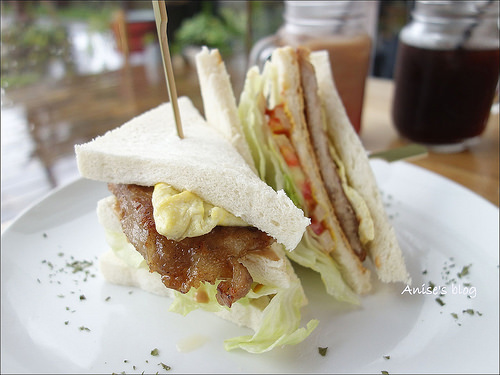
pixel 189 218
pixel 294 126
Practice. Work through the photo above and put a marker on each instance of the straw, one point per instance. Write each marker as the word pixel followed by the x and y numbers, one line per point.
pixel 161 18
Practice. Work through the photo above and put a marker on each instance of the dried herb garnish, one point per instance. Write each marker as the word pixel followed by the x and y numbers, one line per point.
pixel 322 351
pixel 387 356
pixel 165 367
pixel 155 352
pixel 440 301
pixel 464 272
pixel 83 328
pixel 79 265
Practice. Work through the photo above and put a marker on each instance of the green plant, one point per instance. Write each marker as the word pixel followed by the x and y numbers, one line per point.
pixel 213 30
pixel 27 49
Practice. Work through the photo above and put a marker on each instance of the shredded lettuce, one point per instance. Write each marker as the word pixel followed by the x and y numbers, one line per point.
pixel 278 308
pixel 307 253
pixel 123 249
pixel 279 320
pixel 279 324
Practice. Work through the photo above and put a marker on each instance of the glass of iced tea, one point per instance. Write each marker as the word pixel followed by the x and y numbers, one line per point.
pixel 446 73
pixel 339 27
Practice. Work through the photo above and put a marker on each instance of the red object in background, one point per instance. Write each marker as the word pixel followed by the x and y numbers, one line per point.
pixel 130 30
pixel 136 31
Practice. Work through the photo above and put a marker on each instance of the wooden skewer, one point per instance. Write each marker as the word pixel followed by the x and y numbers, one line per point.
pixel 161 18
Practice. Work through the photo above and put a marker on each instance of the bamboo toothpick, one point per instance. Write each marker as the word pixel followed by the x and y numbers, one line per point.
pixel 161 18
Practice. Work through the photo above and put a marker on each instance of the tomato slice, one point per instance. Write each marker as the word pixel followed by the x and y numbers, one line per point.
pixel 277 120
pixel 280 127
pixel 317 226
pixel 276 125
pixel 289 155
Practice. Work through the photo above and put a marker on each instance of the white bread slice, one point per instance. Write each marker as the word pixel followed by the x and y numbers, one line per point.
pixel 265 270
pixel 219 103
pixel 286 63
pixel 146 150
pixel 384 250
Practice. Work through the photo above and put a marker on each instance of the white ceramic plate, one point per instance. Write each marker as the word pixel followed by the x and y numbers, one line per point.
pixel 55 320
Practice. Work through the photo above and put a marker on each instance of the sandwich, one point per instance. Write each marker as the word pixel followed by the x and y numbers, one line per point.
pixel 301 141
pixel 190 219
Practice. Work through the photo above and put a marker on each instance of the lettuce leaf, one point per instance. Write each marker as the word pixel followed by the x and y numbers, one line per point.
pixel 278 308
pixel 279 324
pixel 123 249
pixel 311 256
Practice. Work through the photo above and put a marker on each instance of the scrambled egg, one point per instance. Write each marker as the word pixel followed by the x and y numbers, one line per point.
pixel 183 214
pixel 366 228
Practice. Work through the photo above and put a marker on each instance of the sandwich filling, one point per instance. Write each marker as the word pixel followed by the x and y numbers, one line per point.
pixel 187 263
pixel 284 122
pixel 322 148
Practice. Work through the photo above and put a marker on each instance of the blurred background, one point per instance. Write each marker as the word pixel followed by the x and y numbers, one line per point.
pixel 70 70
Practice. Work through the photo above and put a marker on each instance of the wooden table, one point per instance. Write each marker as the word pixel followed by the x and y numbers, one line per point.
pixel 477 168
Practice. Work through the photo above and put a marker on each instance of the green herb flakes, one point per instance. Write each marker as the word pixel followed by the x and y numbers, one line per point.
pixel 155 352
pixel 464 272
pixel 440 301
pixel 322 351
pixel 79 265
pixel 165 367
pixel 387 357
pixel 83 328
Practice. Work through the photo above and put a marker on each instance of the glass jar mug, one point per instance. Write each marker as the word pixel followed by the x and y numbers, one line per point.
pixel 446 73
pixel 336 26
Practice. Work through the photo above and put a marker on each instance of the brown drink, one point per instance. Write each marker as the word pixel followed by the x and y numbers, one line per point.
pixel 443 96
pixel 446 73
pixel 350 61
pixel 338 27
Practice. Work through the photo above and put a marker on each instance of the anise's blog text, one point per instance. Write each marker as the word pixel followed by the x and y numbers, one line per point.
pixel 439 290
